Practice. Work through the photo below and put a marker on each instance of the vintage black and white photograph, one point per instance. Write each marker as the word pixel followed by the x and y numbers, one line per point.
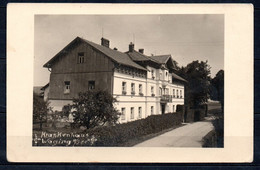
pixel 129 80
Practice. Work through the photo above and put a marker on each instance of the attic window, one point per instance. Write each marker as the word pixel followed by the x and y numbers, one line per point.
pixel 81 58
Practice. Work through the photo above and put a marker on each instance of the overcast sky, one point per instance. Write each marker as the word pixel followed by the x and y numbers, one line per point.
pixel 185 37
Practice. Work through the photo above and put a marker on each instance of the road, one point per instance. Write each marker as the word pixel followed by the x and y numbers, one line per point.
pixel 189 135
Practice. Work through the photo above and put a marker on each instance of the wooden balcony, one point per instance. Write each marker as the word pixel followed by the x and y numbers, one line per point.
pixel 166 98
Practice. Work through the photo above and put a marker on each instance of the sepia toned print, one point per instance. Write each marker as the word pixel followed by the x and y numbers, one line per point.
pixel 164 88
pixel 203 32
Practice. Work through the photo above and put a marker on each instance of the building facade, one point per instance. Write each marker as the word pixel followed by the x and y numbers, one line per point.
pixel 143 85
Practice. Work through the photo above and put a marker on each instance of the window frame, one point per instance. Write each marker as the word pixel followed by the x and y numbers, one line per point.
pixel 91 85
pixel 152 91
pixel 81 58
pixel 140 89
pixel 124 90
pixel 132 112
pixel 66 87
pixel 132 88
pixel 152 110
pixel 123 113
pixel 139 112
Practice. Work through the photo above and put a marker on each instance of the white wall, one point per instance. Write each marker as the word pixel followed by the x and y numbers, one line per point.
pixel 57 105
pixel 147 100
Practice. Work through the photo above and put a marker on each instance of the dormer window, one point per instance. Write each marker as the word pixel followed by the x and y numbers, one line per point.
pixel 81 58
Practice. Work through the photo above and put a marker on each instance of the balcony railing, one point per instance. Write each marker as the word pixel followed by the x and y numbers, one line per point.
pixel 166 98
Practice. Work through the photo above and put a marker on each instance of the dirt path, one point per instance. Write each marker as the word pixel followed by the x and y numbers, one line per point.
pixel 189 135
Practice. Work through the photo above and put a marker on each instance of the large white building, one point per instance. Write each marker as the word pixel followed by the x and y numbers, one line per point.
pixel 143 85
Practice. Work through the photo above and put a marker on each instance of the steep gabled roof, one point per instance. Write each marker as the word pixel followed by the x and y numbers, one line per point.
pixel 161 58
pixel 115 55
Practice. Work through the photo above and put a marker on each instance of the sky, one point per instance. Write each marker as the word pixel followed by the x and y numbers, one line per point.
pixel 186 37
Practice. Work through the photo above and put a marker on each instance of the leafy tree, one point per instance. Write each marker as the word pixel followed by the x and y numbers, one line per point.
pixel 197 89
pixel 66 110
pixel 40 110
pixel 218 84
pixel 176 65
pixel 94 108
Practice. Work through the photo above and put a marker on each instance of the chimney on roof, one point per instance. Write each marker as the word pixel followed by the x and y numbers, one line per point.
pixel 105 42
pixel 131 47
pixel 141 50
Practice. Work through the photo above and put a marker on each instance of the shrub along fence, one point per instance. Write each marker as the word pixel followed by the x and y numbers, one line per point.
pixel 122 133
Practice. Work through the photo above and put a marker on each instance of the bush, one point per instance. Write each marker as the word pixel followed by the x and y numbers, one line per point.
pixel 195 114
pixel 120 134
pixel 180 108
pixel 218 124
pixel 210 139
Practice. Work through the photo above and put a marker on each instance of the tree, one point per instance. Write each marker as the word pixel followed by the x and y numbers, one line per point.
pixel 40 110
pixel 94 108
pixel 218 84
pixel 197 89
pixel 176 64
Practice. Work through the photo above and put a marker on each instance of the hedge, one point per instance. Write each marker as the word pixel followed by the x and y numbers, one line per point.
pixel 120 134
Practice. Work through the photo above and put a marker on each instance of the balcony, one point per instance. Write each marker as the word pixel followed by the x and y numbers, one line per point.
pixel 166 98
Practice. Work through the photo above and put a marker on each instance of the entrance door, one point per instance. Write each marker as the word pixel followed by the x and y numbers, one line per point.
pixel 163 108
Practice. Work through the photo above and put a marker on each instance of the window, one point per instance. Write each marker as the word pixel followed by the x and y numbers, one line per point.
pixel 141 89
pixel 91 85
pixel 67 87
pixel 166 74
pixel 152 90
pixel 173 92
pixel 140 112
pixel 152 110
pixel 132 113
pixel 180 93
pixel 132 88
pixel 160 91
pixel 81 58
pixel 173 108
pixel 123 113
pixel 167 91
pixel 153 74
pixel 124 88
pixel 177 93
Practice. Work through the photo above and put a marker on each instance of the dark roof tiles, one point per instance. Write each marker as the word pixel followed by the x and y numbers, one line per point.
pixel 161 58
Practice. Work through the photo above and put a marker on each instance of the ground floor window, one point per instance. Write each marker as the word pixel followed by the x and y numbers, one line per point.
pixel 140 112
pixel 123 113
pixel 152 111
pixel 91 85
pixel 173 108
pixel 132 116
